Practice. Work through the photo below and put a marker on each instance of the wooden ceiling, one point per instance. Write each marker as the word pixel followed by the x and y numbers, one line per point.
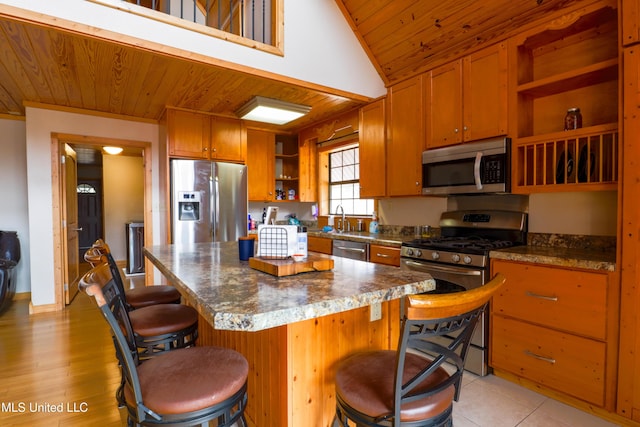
pixel 407 37
pixel 49 64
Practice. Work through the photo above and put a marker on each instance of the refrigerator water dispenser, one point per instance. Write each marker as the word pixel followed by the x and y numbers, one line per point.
pixel 189 206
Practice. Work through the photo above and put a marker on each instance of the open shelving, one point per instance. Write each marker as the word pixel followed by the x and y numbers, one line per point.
pixel 569 62
pixel 286 167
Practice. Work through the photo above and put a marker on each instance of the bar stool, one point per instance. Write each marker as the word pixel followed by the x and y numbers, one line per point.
pixel 156 328
pixel 187 386
pixel 410 386
pixel 135 298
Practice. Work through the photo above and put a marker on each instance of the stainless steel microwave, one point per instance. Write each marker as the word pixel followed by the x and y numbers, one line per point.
pixel 470 168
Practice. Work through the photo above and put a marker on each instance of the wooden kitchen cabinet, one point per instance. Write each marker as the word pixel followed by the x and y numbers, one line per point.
pixel 273 162
pixel 630 20
pixel 261 147
pixel 384 255
pixel 320 244
pixel 569 62
pixel 196 135
pixel 467 98
pixel 228 140
pixel 372 150
pixel 556 328
pixel 189 134
pixel 308 170
pixel 628 248
pixel 405 138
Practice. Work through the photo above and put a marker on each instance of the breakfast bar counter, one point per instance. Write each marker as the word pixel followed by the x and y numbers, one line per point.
pixel 292 329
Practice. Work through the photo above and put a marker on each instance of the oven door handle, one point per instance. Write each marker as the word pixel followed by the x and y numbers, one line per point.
pixel 433 267
pixel 476 170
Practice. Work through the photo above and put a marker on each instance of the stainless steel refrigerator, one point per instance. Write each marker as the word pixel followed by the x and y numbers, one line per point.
pixel 208 201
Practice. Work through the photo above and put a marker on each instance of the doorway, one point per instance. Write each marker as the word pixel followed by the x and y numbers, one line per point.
pixel 92 215
pixel 90 212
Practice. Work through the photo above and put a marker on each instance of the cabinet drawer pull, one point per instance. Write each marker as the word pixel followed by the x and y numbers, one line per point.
pixel 544 297
pixel 383 255
pixel 537 356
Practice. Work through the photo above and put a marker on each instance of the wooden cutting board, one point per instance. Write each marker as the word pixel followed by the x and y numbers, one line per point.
pixel 289 267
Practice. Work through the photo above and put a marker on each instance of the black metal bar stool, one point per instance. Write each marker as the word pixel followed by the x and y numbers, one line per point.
pixel 186 386
pixel 135 298
pixel 410 387
pixel 155 328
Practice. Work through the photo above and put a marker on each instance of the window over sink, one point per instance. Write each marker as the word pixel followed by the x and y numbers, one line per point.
pixel 344 183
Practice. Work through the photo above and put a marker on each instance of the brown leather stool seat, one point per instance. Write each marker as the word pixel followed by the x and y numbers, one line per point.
pixel 100 252
pixel 365 383
pixel 152 295
pixel 191 379
pixel 411 386
pixel 160 320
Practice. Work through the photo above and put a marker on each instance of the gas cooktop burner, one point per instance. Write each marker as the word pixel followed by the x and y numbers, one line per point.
pixel 460 243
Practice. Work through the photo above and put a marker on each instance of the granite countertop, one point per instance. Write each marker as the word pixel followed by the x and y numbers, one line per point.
pixel 551 249
pixel 384 239
pixel 233 296
pixel 559 257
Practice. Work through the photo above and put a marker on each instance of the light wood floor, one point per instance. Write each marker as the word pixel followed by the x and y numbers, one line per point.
pixel 57 361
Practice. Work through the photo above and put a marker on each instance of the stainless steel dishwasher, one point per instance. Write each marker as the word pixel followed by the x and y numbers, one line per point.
pixel 349 249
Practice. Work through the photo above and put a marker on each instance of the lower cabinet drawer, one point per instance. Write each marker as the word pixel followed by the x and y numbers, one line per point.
pixel 320 244
pixel 564 362
pixel 384 255
pixel 570 300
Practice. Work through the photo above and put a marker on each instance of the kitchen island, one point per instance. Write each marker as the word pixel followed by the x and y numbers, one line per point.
pixel 292 329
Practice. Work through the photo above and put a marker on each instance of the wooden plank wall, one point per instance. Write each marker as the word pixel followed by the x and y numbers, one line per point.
pixel 291 367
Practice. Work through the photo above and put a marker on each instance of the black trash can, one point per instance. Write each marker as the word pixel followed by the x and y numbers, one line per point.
pixel 9 258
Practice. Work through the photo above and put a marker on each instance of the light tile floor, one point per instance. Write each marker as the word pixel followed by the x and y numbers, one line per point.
pixel 494 402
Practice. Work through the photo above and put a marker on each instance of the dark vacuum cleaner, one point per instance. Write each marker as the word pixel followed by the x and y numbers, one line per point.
pixel 9 258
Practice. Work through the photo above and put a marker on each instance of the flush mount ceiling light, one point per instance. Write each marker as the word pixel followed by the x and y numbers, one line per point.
pixel 112 150
pixel 272 111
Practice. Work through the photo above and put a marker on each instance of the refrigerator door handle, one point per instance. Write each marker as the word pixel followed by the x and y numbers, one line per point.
pixel 213 203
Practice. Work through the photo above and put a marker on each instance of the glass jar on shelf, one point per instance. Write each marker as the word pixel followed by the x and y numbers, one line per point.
pixel 573 119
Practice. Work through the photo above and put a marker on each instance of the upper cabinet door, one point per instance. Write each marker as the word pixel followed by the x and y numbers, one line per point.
pixel 260 165
pixel 228 139
pixel 188 134
pixel 372 150
pixel 445 105
pixel 484 92
pixel 467 99
pixel 405 140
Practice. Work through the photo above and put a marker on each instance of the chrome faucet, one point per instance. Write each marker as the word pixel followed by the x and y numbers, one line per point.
pixel 342 221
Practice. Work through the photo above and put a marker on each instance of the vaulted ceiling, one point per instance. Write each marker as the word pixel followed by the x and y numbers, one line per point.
pixel 406 37
pixel 50 65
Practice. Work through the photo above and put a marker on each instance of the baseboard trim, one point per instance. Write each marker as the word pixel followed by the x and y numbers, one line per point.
pixel 22 296
pixel 45 308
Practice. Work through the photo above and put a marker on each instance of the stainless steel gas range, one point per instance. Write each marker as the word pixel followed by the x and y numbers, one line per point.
pixel 458 260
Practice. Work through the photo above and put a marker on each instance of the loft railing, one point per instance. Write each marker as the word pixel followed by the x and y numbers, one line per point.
pixel 257 24
pixel 251 19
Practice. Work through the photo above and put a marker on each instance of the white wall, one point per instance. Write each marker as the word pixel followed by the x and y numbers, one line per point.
pixel 40 124
pixel 13 193
pixel 586 213
pixel 319 46
pixel 579 213
pixel 123 179
pixel 411 210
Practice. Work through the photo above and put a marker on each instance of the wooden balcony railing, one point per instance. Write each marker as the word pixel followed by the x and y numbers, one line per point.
pixel 254 23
